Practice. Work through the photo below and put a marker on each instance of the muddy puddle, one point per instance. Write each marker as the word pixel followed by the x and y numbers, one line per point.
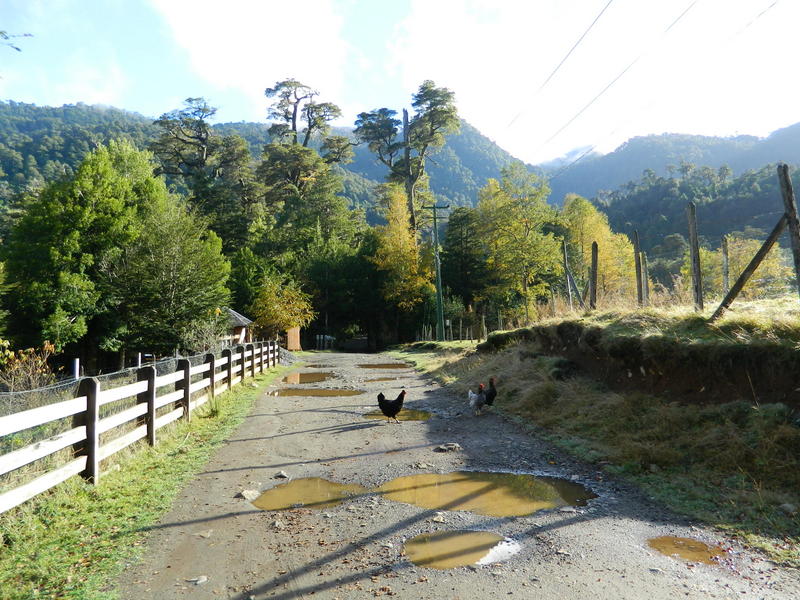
pixel 381 379
pixel 491 494
pixel 452 549
pixel 686 548
pixel 309 492
pixel 319 366
pixel 385 366
pixel 296 378
pixel 407 414
pixel 315 392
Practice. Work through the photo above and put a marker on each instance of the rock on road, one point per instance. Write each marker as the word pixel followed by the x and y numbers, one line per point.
pixel 214 543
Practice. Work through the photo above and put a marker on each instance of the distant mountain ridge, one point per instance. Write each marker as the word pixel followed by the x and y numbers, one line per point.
pixel 596 173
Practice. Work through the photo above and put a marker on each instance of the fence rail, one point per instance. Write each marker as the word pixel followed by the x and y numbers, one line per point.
pixel 190 387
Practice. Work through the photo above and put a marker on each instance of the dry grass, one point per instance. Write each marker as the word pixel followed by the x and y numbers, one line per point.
pixel 732 465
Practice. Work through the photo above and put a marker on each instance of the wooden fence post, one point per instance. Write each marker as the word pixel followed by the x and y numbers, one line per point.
pixel 645 281
pixel 227 353
pixel 790 207
pixel 277 353
pixel 762 252
pixel 637 262
pixel 185 385
pixel 694 250
pixel 575 289
pixel 566 274
pixel 211 361
pixel 90 387
pixel 242 371
pixel 593 278
pixel 726 282
pixel 260 357
pixel 251 348
pixel 148 397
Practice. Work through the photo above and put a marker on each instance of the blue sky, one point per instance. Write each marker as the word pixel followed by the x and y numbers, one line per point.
pixel 721 69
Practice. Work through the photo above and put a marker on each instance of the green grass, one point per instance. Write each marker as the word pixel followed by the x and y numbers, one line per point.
pixel 730 465
pixel 73 542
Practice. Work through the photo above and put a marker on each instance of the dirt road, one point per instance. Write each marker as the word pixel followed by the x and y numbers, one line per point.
pixel 213 544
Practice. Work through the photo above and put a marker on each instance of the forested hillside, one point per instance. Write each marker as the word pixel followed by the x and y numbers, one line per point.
pixel 663 154
pixel 39 144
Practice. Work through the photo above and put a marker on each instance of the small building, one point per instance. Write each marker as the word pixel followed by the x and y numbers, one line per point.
pixel 239 328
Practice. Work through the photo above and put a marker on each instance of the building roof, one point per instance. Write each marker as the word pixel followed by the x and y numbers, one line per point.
pixel 235 319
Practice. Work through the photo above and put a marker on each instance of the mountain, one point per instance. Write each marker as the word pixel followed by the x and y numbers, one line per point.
pixel 596 173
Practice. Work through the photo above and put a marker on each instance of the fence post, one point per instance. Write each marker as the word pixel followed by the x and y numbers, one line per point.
pixel 566 274
pixel 227 353
pixel 274 352
pixel 185 385
pixel 148 397
pixel 748 271
pixel 242 371
pixel 645 281
pixel 251 348
pixel 260 346
pixel 89 387
pixel 593 278
pixel 637 261
pixel 726 282
pixel 791 214
pixel 211 360
pixel 694 250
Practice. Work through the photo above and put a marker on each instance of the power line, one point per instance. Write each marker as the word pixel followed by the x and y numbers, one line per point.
pixel 563 60
pixel 652 103
pixel 617 78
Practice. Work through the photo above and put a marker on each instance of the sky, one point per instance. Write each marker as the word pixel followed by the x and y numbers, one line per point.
pixel 708 67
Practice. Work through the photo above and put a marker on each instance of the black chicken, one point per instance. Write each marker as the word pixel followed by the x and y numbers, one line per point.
pixel 391 408
pixel 491 393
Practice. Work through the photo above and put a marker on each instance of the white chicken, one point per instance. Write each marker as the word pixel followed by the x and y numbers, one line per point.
pixel 477 401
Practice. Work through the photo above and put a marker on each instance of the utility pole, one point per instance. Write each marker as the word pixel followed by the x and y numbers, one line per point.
pixel 438 263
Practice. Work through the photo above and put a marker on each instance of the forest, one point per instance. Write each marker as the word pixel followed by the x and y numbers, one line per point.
pixel 122 234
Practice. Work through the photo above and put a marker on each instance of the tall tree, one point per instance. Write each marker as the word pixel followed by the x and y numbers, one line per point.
pixel 518 230
pixel 216 170
pixel 55 249
pixel 464 269
pixel 405 155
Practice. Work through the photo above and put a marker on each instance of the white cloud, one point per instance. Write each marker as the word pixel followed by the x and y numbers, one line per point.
pixel 247 45
pixel 705 75
pixel 92 82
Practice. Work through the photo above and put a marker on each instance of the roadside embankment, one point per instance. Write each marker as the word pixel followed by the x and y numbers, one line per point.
pixel 733 461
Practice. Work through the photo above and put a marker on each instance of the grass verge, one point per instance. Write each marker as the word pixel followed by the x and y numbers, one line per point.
pixel 73 542
pixel 734 465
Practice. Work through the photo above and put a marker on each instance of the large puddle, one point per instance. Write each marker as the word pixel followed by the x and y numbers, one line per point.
pixel 315 392
pixel 686 548
pixel 385 366
pixel 407 414
pixel 491 494
pixel 310 492
pixel 296 378
pixel 451 549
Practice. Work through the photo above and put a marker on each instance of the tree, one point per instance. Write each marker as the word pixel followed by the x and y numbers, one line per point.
pixel 217 171
pixel 435 117
pixel 518 229
pixel 280 305
pixel 5 37
pixel 55 249
pixel 406 281
pixel 464 269
pixel 170 282
pixel 585 224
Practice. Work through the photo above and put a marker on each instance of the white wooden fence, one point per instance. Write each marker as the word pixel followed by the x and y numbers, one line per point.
pixel 181 392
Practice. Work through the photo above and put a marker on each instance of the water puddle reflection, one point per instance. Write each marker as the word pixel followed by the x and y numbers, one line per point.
pixel 310 492
pixel 491 494
pixel 315 392
pixel 385 366
pixel 451 549
pixel 686 548
pixel 319 366
pixel 306 377
pixel 407 414
pixel 381 379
